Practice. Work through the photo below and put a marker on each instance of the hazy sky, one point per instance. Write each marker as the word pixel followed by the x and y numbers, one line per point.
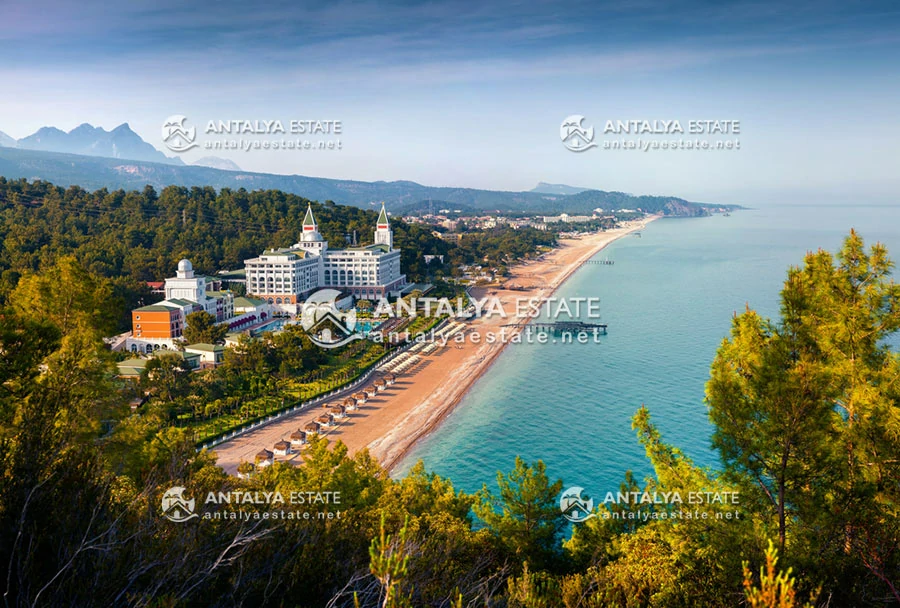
pixel 473 94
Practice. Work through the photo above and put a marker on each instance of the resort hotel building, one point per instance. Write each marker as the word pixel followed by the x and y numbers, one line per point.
pixel 276 282
pixel 284 277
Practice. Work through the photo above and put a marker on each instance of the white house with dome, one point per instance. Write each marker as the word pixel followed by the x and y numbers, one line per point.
pixel 199 290
pixel 284 277
pixel 185 285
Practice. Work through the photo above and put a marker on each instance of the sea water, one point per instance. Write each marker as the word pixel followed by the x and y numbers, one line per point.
pixel 668 300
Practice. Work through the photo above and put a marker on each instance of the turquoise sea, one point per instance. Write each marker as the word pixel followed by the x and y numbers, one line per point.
pixel 668 300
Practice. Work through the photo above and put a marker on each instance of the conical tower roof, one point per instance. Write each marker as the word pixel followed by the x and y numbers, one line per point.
pixel 382 217
pixel 309 222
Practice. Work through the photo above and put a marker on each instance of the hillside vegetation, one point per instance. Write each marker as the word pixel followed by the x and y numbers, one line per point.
pixel 806 421
pixel 131 237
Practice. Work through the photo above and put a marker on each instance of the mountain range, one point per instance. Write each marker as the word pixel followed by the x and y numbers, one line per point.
pixel 88 140
pixel 121 142
pixel 93 158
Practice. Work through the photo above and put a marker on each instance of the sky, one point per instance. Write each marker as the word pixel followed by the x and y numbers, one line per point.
pixel 472 94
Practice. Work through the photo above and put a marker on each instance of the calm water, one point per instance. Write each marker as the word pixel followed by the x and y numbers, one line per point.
pixel 273 326
pixel 668 301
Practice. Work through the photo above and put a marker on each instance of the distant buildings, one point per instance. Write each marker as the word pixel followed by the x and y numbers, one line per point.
pixel 479 222
pixel 567 219
pixel 284 277
pixel 527 223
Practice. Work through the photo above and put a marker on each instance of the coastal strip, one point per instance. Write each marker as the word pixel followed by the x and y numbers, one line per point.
pixel 392 422
pixel 396 444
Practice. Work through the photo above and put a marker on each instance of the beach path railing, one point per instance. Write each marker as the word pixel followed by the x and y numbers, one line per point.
pixel 301 407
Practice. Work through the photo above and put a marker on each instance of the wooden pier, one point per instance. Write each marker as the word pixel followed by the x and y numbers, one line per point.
pixel 569 327
pixel 606 262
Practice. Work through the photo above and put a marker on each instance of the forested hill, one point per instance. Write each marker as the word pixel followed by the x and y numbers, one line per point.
pixel 135 236
pixel 94 173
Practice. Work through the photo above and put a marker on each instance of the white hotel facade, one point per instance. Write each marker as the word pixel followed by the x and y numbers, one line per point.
pixel 284 277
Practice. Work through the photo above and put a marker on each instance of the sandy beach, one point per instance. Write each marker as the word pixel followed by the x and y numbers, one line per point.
pixel 393 421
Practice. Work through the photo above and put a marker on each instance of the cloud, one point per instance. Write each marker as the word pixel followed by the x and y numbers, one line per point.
pixel 346 31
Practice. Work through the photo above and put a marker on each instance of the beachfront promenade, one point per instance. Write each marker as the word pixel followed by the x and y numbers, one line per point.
pixel 337 393
pixel 391 423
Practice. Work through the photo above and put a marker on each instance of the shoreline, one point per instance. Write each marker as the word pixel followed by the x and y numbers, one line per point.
pixel 449 405
pixel 391 423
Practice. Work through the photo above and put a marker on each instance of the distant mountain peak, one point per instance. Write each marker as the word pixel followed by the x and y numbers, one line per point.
pixel 86 131
pixel 50 130
pixel 6 141
pixel 88 140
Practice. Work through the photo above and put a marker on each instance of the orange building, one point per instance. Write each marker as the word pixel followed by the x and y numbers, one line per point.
pixel 157 322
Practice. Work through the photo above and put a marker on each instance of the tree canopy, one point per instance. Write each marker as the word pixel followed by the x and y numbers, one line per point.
pixel 130 237
pixel 201 328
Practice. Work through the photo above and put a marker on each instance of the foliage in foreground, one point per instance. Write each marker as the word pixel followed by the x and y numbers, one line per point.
pixel 806 420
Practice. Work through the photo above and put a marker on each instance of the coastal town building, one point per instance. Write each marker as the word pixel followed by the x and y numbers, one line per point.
pixel 284 277
pixel 567 219
pixel 527 223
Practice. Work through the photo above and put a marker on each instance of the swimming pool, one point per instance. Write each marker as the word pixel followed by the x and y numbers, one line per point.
pixel 276 325
pixel 365 326
pixel 273 326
